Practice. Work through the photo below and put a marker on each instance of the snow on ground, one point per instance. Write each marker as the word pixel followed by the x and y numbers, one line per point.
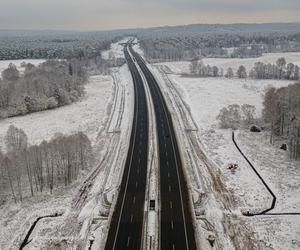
pixel 234 63
pixel 4 63
pixel 105 115
pixel 205 97
pixel 85 115
pixel 116 49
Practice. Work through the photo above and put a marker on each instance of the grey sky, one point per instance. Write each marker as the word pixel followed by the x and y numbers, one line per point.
pixel 114 14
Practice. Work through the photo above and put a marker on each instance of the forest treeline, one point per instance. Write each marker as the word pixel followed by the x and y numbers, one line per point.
pixel 282 114
pixel 188 45
pixel 46 86
pixel 26 170
pixel 281 70
pixel 51 46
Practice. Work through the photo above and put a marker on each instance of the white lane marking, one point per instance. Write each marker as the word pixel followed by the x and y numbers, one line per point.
pixel 128 240
pixel 131 218
pixel 173 247
pixel 168 163
pixel 133 199
pixel 131 157
pixel 166 153
pixel 168 175
pixel 171 204
pixel 176 163
pixel 172 224
pixel 170 189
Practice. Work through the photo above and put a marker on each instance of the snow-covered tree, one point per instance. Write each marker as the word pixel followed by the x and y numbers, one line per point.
pixel 229 73
pixel 241 72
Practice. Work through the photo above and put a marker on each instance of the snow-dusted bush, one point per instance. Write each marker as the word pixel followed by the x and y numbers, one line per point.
pixel 230 117
pixel 235 115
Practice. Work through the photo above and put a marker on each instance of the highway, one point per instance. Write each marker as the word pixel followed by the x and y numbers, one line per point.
pixel 176 226
pixel 126 226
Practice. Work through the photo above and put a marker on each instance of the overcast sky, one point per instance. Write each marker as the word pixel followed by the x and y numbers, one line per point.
pixel 115 14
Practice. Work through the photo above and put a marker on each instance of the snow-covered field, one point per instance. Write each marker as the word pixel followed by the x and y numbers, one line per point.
pixel 105 115
pixel 85 115
pixel 4 63
pixel 234 63
pixel 205 97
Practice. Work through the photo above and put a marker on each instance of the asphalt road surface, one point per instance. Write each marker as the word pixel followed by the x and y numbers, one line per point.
pixel 176 227
pixel 127 221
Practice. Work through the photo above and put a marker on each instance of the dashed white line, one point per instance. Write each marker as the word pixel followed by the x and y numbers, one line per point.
pixel 170 189
pixel 171 204
pixel 128 240
pixel 168 175
pixel 133 199
pixel 131 218
pixel 172 224
pixel 136 184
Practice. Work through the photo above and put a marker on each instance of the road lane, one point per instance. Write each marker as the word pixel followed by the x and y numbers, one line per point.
pixel 126 226
pixel 176 225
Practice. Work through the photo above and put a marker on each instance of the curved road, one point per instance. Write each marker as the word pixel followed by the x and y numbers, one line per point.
pixel 127 221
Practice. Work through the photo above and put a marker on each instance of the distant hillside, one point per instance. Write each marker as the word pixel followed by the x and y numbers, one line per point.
pixel 191 28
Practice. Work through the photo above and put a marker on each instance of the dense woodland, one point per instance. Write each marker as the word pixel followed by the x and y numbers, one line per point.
pixel 238 40
pixel 51 45
pixel 282 114
pixel 46 86
pixel 56 82
pixel 26 170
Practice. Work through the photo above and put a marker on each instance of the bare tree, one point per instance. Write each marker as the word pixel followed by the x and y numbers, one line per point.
pixel 15 139
pixel 248 113
pixel 241 72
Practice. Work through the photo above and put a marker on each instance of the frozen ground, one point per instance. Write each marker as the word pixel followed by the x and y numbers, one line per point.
pixel 105 114
pixel 4 63
pixel 234 63
pixel 85 115
pixel 205 97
